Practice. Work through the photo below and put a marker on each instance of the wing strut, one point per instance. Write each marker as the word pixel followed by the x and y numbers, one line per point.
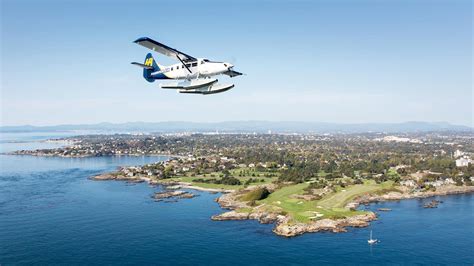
pixel 184 64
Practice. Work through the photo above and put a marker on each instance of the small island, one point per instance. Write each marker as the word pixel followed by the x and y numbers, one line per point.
pixel 300 182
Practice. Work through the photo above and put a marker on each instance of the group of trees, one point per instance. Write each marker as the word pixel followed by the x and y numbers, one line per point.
pixel 227 180
pixel 299 172
pixel 253 180
pixel 304 158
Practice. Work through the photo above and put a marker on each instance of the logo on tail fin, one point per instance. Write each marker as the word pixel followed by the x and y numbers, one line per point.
pixel 149 61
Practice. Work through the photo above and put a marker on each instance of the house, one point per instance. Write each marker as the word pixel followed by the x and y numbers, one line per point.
pixel 458 154
pixel 449 181
pixel 408 183
pixel 463 161
pixel 437 183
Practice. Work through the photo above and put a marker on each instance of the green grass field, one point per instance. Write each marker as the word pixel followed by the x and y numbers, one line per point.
pixel 331 206
pixel 282 200
pixel 234 172
pixel 345 195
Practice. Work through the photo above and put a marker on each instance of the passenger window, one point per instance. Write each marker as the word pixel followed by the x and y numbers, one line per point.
pixel 202 62
pixel 171 69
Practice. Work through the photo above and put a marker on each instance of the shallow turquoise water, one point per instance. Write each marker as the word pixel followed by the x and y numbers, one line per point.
pixel 50 212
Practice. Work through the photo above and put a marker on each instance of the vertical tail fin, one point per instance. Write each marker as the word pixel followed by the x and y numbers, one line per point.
pixel 150 62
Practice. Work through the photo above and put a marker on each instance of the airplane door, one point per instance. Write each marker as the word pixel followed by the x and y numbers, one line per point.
pixel 198 68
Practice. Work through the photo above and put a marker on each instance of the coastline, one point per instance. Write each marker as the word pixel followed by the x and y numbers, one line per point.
pixel 285 225
pixel 35 153
pixel 396 196
pixel 165 183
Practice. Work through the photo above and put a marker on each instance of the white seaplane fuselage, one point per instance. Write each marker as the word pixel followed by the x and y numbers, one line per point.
pixel 194 77
pixel 202 68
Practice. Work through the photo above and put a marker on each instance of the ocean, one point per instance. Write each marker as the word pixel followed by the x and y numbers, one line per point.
pixel 52 213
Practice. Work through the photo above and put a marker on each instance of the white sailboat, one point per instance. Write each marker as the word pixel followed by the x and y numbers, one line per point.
pixel 372 241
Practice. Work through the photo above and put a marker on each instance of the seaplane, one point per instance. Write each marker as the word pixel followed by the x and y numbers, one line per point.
pixel 193 75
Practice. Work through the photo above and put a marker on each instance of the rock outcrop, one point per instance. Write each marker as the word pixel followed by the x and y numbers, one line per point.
pixel 177 194
pixel 231 215
pixel 230 201
pixel 288 229
pixel 109 176
pixel 406 194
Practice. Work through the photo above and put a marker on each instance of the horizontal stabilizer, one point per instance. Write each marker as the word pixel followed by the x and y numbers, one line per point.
pixel 142 65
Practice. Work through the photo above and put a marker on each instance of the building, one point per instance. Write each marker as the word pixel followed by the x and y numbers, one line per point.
pixel 408 183
pixel 463 161
pixel 398 139
pixel 458 154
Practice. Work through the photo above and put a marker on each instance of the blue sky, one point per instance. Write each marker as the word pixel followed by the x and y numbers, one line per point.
pixel 331 61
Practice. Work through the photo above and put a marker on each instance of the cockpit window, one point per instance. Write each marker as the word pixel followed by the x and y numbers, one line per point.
pixel 209 61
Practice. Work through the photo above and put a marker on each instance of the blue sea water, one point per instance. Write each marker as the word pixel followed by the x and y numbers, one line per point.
pixel 50 212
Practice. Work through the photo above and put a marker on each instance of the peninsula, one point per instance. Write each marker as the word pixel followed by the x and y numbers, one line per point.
pixel 301 182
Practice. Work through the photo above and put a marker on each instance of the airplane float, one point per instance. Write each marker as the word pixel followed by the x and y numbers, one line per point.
pixel 194 75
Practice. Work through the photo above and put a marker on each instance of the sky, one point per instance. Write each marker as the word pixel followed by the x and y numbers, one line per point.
pixel 68 62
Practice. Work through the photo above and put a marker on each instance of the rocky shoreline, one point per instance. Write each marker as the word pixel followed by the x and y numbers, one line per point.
pixel 174 194
pixel 169 184
pixel 405 194
pixel 40 153
pixel 285 226
pixel 110 176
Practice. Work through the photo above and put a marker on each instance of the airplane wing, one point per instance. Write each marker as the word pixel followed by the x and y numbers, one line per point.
pixel 232 73
pixel 164 49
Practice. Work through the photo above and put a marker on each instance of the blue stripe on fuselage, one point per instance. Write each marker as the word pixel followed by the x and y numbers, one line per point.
pixel 159 76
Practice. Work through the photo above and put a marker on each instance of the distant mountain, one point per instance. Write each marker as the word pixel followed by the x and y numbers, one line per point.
pixel 247 126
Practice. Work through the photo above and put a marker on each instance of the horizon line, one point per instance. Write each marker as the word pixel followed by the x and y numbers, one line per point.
pixel 246 121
